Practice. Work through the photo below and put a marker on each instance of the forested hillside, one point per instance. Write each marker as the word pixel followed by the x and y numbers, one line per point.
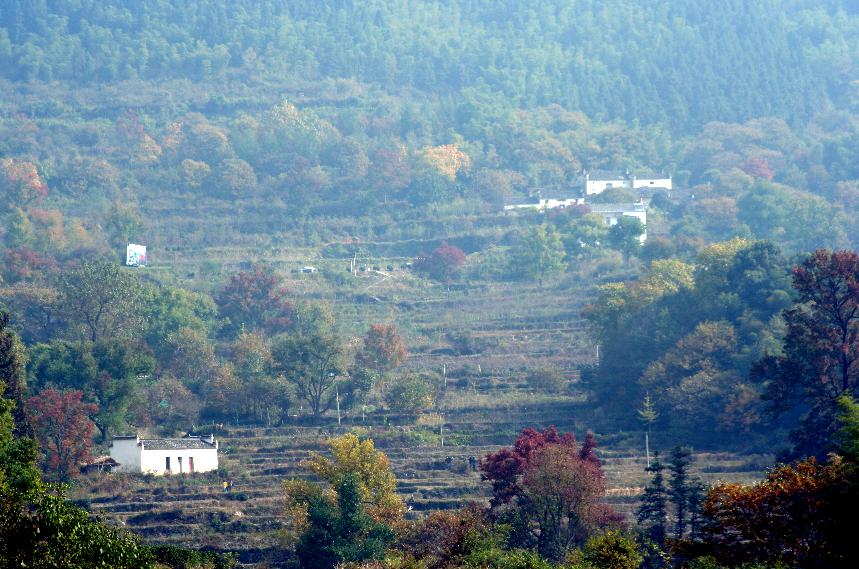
pixel 678 63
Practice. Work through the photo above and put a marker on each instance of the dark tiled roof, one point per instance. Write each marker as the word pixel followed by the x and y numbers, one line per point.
pixel 175 444
pixel 560 194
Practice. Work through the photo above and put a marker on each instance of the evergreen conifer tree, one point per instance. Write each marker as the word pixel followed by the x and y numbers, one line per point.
pixel 653 511
pixel 697 494
pixel 680 487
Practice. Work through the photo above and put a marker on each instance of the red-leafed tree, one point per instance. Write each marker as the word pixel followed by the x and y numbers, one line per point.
pixel 758 167
pixel 61 421
pixel 256 300
pixel 443 263
pixel 553 485
pixel 383 349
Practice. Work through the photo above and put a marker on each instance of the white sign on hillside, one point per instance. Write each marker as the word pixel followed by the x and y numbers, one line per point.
pixel 135 255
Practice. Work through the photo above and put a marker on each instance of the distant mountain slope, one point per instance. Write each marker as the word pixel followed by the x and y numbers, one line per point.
pixel 678 62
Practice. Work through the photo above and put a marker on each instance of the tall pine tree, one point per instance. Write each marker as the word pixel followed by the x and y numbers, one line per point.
pixel 653 511
pixel 681 487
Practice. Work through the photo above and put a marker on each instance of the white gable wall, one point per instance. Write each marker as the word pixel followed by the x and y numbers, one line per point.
pixel 126 452
pixel 611 218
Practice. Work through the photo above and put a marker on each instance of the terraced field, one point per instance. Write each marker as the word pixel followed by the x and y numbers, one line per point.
pixel 193 510
pixel 482 336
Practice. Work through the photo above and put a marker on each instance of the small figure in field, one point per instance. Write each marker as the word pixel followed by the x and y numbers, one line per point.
pixel 472 462
pixel 226 485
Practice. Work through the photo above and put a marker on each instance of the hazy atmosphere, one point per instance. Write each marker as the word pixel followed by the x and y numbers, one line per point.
pixel 429 284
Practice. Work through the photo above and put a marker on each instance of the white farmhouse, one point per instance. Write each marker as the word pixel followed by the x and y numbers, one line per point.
pixel 612 212
pixel 599 181
pixel 165 456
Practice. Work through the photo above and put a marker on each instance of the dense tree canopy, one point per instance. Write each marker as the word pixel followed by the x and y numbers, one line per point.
pixel 378 43
pixel 818 359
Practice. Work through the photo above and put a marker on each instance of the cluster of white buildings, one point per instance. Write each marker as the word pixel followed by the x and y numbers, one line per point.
pixel 597 182
pixel 594 183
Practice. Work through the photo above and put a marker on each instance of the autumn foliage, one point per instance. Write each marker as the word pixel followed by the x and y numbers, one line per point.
pixel 554 484
pixel 444 536
pixel 443 263
pixel 447 159
pixel 796 516
pixel 256 299
pixel 61 421
pixel 376 483
pixel 22 263
pixel 21 182
pixel 383 348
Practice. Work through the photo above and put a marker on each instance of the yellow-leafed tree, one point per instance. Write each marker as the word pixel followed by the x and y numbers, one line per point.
pixel 447 159
pixel 351 455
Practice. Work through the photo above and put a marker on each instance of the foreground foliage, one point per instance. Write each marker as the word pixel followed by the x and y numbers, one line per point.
pixel 39 528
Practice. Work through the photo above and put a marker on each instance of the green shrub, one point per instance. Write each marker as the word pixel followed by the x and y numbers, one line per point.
pixel 177 557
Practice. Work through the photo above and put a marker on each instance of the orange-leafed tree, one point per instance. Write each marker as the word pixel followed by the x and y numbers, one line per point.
pixel 383 349
pixel 62 424
pixel 797 517
pixel 448 160
pixel 20 182
pixel 442 538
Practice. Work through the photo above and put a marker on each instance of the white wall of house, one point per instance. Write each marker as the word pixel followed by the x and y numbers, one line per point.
pixel 655 183
pixel 126 451
pixel 611 213
pixel 598 186
pixel 155 461
pixel 544 204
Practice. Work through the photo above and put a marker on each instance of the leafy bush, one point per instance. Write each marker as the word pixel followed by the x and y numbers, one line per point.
pixel 183 558
pixel 548 379
pixel 413 392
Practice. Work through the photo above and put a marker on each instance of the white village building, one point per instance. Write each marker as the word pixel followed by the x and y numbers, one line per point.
pixel 612 212
pixel 164 456
pixel 543 204
pixel 598 181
